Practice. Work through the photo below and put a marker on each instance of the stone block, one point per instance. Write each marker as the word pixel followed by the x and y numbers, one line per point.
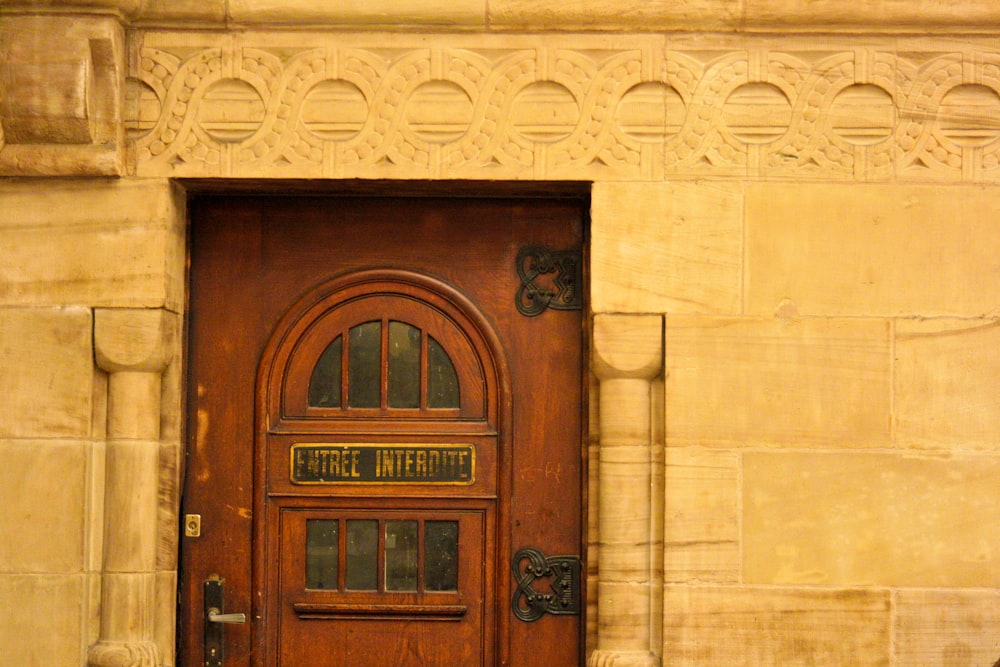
pixel 42 536
pixel 787 382
pixel 947 392
pixel 443 13
pixel 42 619
pixel 48 370
pixel 102 243
pixel 701 520
pixel 872 250
pixel 60 112
pixel 131 501
pixel 168 505
pixel 93 532
pixel 750 627
pixel 50 105
pixel 942 627
pixel 863 519
pixel 181 10
pixel 166 615
pixel 888 15
pixel 624 617
pixel 667 247
pixel 615 14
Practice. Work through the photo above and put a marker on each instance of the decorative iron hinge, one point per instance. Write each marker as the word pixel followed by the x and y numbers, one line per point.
pixel 530 564
pixel 549 279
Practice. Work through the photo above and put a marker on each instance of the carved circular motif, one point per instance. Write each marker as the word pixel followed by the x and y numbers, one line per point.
pixel 439 112
pixel 334 110
pixel 231 111
pixel 757 113
pixel 650 112
pixel 969 115
pixel 544 112
pixel 142 108
pixel 863 114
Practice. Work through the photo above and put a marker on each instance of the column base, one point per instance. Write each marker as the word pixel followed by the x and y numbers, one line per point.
pixel 601 658
pixel 124 654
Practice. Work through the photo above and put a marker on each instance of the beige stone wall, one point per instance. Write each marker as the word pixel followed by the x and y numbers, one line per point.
pixel 807 223
pixel 830 415
pixel 71 249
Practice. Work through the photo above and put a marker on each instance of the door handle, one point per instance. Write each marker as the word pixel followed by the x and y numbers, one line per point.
pixel 216 616
pixel 216 619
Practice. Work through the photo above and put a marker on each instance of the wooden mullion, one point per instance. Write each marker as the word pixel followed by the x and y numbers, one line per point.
pixel 380 567
pixel 424 369
pixel 341 555
pixel 344 370
pixel 421 555
pixel 384 366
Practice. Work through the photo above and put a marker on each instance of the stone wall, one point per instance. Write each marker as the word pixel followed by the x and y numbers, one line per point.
pixel 798 230
pixel 830 424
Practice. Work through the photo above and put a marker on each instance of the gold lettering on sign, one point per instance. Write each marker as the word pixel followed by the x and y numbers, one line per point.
pixel 321 463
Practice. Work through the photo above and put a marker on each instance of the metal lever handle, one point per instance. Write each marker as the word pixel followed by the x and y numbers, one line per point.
pixel 215 616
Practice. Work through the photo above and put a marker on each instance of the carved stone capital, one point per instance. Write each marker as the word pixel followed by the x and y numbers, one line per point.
pixel 133 339
pixel 124 654
pixel 627 346
pixel 61 79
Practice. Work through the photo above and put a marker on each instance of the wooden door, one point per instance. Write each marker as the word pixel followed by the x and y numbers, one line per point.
pixel 386 431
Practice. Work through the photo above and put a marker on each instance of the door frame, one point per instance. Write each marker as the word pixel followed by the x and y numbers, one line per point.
pixel 579 191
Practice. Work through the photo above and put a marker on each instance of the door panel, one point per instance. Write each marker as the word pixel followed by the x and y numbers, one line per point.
pixel 377 526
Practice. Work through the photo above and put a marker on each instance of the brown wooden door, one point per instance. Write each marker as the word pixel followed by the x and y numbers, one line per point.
pixel 377 431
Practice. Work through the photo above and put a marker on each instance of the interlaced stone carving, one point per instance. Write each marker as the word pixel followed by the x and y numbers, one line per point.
pixel 576 107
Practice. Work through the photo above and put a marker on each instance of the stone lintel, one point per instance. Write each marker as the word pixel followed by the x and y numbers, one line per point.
pixel 887 16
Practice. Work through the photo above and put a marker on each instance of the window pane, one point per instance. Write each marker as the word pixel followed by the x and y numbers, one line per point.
pixel 364 365
pixel 404 366
pixel 324 387
pixel 441 556
pixel 362 555
pixel 322 553
pixel 442 381
pixel 401 555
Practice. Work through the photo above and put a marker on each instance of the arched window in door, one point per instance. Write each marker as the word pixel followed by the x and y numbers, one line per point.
pixel 416 371
pixel 394 353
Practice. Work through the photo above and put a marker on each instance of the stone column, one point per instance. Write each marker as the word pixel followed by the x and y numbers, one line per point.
pixel 627 358
pixel 134 347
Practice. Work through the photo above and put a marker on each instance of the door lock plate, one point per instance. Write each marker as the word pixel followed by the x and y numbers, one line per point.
pixel 216 619
pixel 192 525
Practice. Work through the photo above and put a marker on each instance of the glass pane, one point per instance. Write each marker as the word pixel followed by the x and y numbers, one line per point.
pixel 364 365
pixel 404 366
pixel 324 387
pixel 322 553
pixel 362 555
pixel 441 556
pixel 442 381
pixel 400 555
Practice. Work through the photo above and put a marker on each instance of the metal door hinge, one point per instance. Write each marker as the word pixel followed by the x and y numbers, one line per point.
pixel 563 573
pixel 549 279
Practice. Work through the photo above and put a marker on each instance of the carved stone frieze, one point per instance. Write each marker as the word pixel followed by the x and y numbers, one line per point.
pixel 559 107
